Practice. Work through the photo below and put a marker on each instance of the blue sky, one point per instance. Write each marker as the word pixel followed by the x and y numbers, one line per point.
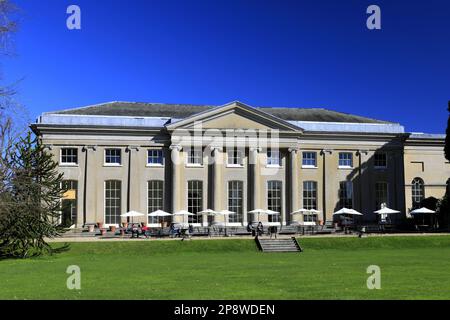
pixel 263 53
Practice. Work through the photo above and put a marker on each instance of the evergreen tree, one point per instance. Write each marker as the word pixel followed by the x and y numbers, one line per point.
pixel 35 191
pixel 443 209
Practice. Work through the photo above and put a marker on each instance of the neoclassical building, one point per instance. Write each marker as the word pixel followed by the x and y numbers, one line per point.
pixel 123 156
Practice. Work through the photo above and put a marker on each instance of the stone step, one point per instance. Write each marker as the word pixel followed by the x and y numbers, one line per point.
pixel 278 245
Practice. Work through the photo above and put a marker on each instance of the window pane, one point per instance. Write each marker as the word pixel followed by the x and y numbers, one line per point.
pixel 274 199
pixel 234 157
pixel 309 159
pixel 69 155
pixel 310 195
pixel 345 159
pixel 346 194
pixel 195 200
pixel 113 156
pixel 155 198
pixel 112 201
pixel 154 157
pixel 195 156
pixel 418 192
pixel 380 160
pixel 381 194
pixel 69 203
pixel 235 200
pixel 273 157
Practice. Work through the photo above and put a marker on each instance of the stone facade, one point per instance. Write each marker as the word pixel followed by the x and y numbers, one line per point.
pixel 379 159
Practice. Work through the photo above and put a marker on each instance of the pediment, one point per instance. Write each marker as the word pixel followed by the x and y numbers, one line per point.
pixel 234 115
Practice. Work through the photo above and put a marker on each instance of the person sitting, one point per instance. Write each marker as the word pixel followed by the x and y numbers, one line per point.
pixel 145 230
pixel 174 231
pixel 260 229
pixel 251 229
pixel 273 231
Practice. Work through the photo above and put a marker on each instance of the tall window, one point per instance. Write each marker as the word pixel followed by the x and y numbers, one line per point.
pixel 310 195
pixel 112 156
pixel 195 200
pixel 381 194
pixel 195 157
pixel 235 202
pixel 113 198
pixel 418 192
pixel 69 203
pixel 155 198
pixel 380 160
pixel 345 159
pixel 346 194
pixel 309 159
pixel 154 157
pixel 274 199
pixel 234 157
pixel 273 158
pixel 69 155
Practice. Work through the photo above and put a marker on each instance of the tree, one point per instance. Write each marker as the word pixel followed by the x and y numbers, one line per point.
pixel 443 207
pixel 34 194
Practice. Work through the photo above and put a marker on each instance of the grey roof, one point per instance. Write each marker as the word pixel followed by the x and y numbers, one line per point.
pixel 180 111
pixel 420 135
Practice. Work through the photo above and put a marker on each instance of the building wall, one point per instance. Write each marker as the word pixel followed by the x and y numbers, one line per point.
pixel 428 163
pixel 404 163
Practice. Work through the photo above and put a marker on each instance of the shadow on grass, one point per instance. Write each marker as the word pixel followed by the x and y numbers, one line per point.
pixel 15 253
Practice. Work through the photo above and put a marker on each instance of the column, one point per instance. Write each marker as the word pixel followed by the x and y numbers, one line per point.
pixel 176 167
pixel 130 174
pixel 218 183
pixel 324 184
pixel 85 149
pixel 294 181
pixel 255 189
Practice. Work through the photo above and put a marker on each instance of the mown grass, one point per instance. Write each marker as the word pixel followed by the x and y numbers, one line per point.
pixel 329 268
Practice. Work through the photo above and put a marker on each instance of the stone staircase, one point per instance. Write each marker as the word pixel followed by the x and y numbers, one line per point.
pixel 278 245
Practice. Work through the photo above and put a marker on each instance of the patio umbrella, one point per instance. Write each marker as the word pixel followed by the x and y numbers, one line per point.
pixel 159 213
pixel 183 213
pixel 422 211
pixel 258 211
pixel 271 212
pixel 346 211
pixel 383 212
pixel 225 213
pixel 302 211
pixel 209 212
pixel 132 214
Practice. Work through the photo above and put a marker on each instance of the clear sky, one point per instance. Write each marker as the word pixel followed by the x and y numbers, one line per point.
pixel 316 53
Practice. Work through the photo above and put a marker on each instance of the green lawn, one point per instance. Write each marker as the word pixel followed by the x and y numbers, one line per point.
pixel 329 268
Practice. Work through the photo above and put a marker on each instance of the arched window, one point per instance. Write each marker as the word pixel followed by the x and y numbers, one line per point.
pixel 418 192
